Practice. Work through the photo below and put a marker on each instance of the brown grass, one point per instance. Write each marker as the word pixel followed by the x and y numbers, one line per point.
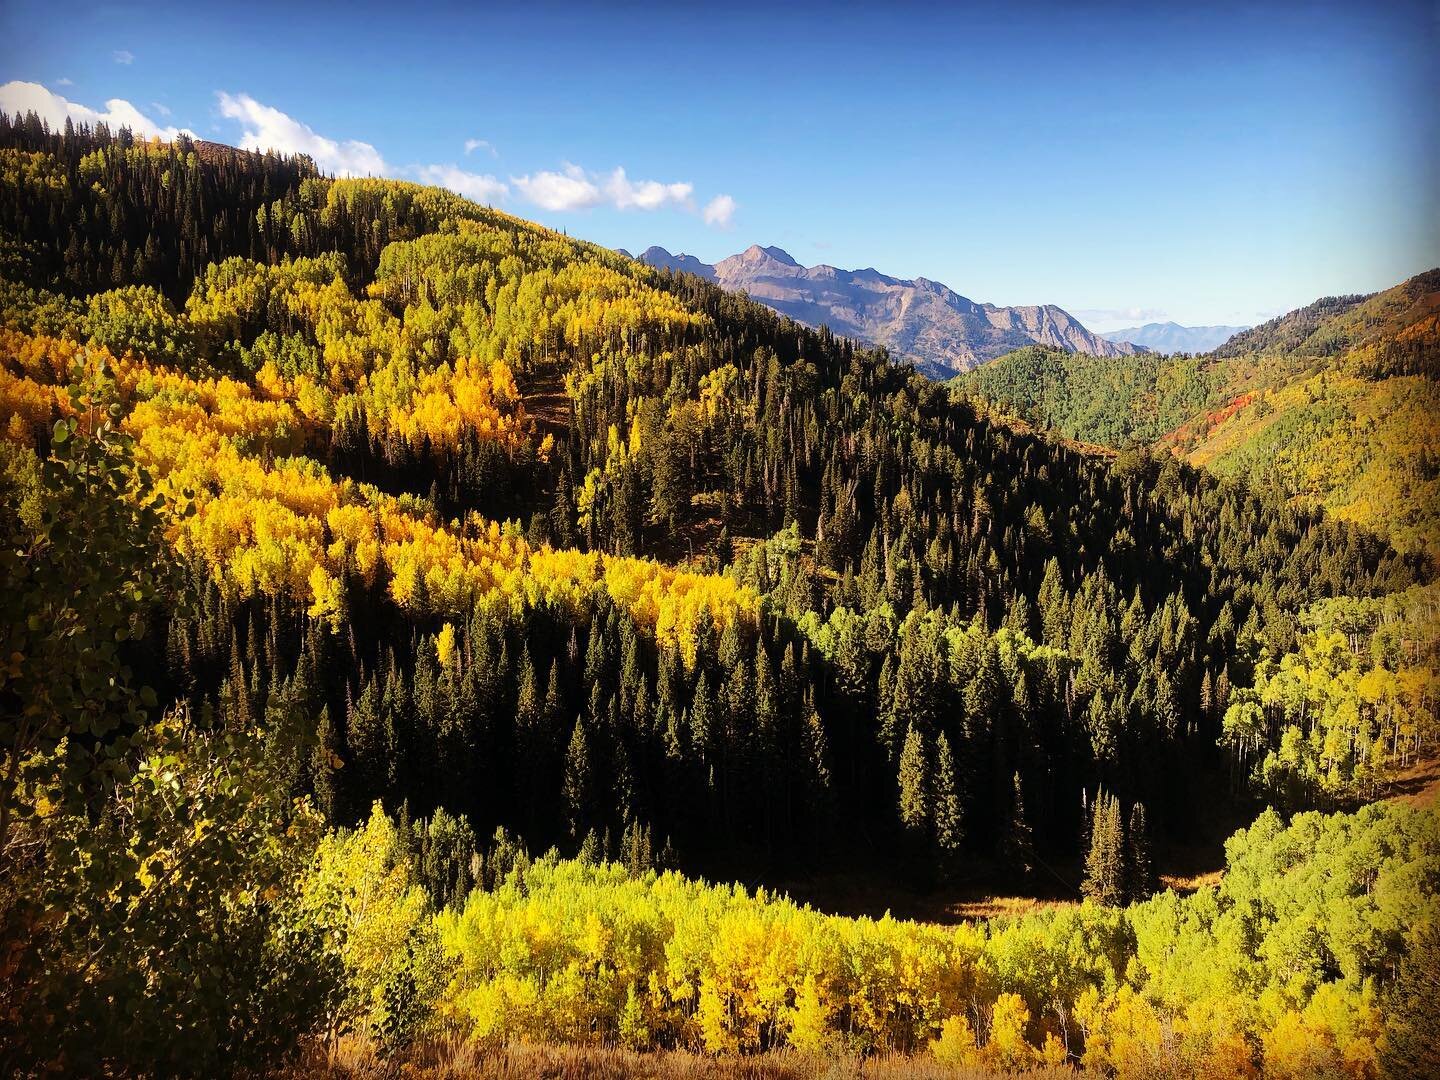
pixel 1000 907
pixel 1189 883
pixel 547 403
pixel 1418 784
pixel 451 1058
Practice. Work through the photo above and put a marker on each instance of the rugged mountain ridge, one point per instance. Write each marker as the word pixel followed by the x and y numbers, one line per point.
pixel 919 320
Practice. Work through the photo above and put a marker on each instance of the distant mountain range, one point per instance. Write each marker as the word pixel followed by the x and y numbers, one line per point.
pixel 1169 337
pixel 922 321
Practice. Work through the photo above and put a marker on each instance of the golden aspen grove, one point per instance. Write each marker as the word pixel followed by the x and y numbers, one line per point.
pixel 434 645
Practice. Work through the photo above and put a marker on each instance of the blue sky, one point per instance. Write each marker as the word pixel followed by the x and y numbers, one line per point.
pixel 1127 162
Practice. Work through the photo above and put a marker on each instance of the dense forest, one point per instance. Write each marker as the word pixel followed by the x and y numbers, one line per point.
pixel 365 544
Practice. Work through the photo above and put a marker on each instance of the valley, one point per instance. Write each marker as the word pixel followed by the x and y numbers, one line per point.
pixel 1333 404
pixel 434 638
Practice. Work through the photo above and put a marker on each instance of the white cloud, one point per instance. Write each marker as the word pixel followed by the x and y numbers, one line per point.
pixel 264 127
pixel 568 190
pixel 24 97
pixel 62 81
pixel 627 194
pixel 471 145
pixel 486 189
pixel 720 211
pixel 575 189
pixel 123 56
pixel 267 128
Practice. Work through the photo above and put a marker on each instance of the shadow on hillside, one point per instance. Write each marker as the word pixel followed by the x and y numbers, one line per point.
pixel 863 885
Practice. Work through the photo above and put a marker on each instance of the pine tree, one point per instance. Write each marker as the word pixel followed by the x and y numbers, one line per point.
pixel 852 662
pixel 1140 870
pixel 528 704
pixel 1409 1049
pixel 914 784
pixel 591 852
pixel 1105 862
pixel 702 719
pixel 635 848
pixel 324 761
pixel 949 823
pixel 576 790
pixel 369 747
pixel 554 708
pixel 1054 606
pixel 530 743
pixel 1018 846
pixel 817 753
pixel 767 743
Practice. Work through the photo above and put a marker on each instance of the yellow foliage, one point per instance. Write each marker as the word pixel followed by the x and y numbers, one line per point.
pixel 956 1044
pixel 445 647
pixel 810 1030
pixel 1006 1048
pixel 261 522
pixel 363 880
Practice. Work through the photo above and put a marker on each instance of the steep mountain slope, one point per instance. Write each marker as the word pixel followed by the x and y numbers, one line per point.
pixel 1118 402
pixel 1336 403
pixel 1302 330
pixel 1171 337
pixel 921 321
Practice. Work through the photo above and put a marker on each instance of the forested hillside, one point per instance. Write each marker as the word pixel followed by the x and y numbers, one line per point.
pixel 329 494
pixel 1334 404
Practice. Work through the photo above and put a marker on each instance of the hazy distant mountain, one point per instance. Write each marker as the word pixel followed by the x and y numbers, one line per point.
pixel 922 321
pixel 1169 337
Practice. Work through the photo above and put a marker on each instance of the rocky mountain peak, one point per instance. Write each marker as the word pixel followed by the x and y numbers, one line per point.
pixel 922 321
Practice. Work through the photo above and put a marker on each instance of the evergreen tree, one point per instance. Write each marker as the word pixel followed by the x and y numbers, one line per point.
pixel 324 761
pixel 1409 1049
pixel 1018 847
pixel 553 710
pixel 914 781
pixel 949 821
pixel 531 749
pixel 370 749
pixel 1105 878
pixel 591 852
pixel 702 719
pixel 577 785
pixel 636 851
pixel 1140 870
